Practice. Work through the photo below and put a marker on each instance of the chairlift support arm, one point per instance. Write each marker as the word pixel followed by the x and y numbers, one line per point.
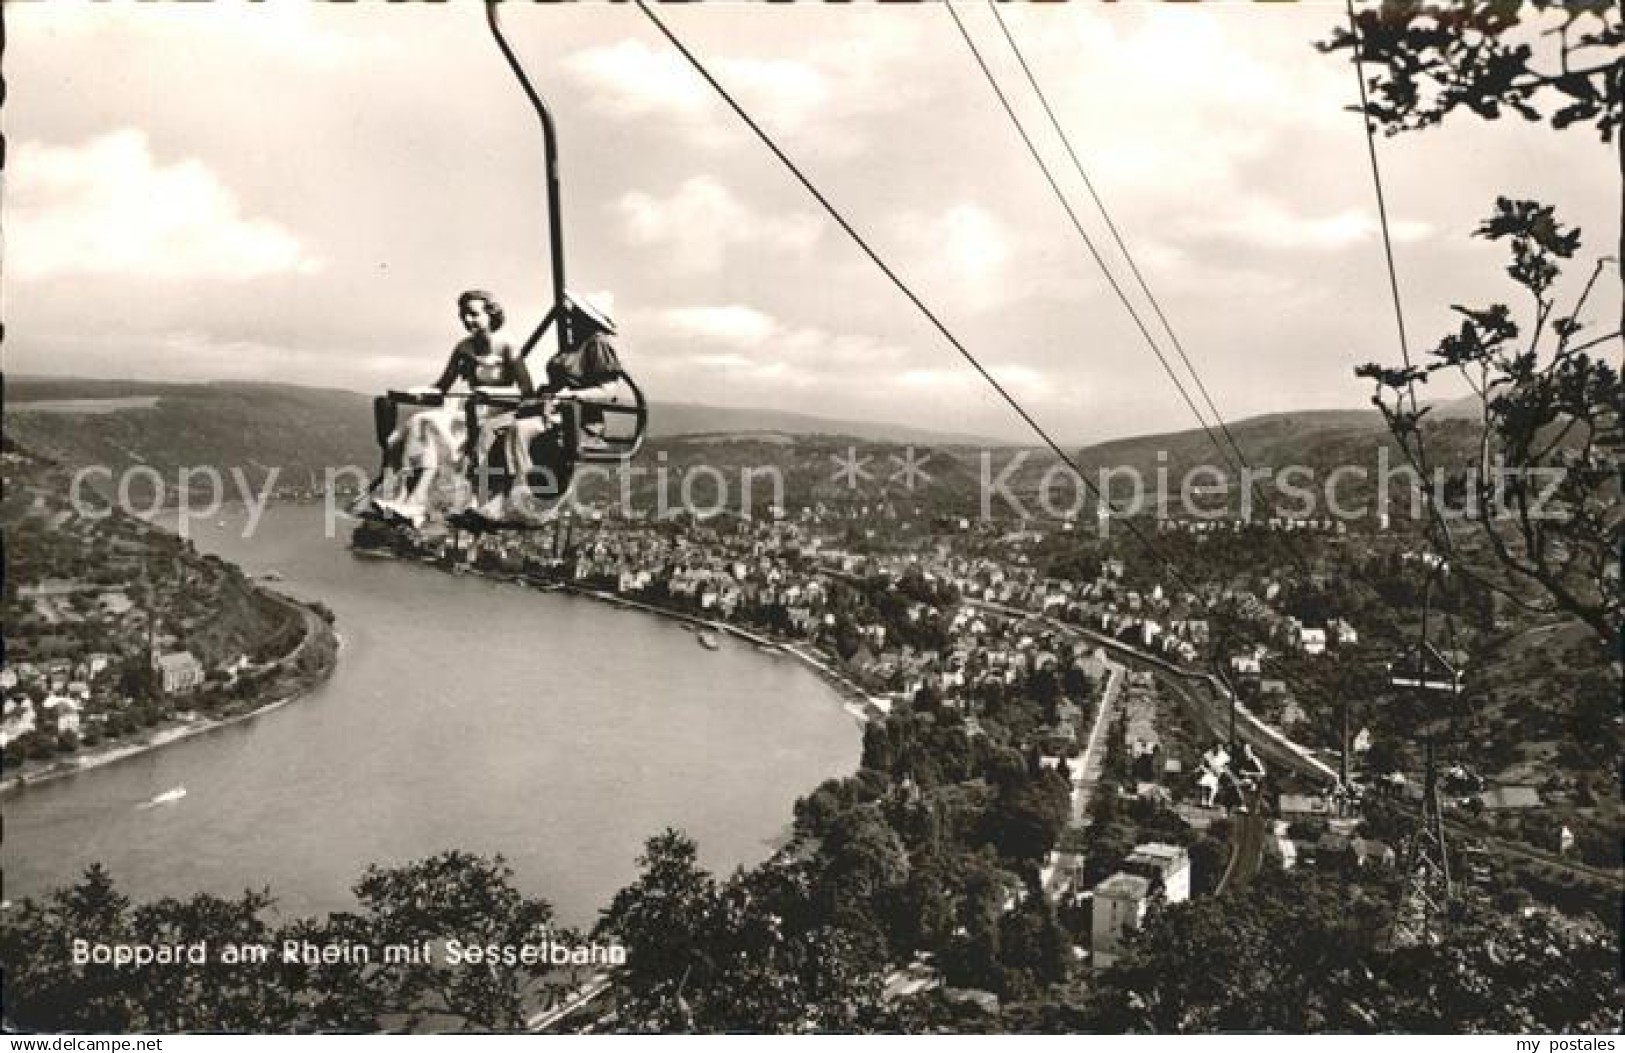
pixel 555 228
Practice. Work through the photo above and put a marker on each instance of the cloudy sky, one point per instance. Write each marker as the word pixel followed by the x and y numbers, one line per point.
pixel 298 193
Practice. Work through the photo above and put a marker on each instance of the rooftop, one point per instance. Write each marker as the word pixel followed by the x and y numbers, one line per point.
pixel 1510 797
pixel 1158 851
pixel 1129 886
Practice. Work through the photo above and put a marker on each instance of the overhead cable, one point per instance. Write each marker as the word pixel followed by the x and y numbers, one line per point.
pixel 1077 225
pixel 903 287
pixel 1117 237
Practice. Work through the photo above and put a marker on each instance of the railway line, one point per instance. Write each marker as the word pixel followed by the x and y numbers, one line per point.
pixel 1208 699
pixel 1211 706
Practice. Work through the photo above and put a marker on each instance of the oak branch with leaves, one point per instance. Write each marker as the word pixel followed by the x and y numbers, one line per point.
pixel 1538 517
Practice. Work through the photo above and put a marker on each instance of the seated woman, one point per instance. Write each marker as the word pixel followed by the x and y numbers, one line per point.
pixel 529 454
pixel 450 435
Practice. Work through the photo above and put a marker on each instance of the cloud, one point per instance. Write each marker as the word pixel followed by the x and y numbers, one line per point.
pixel 734 323
pixel 820 349
pixel 963 249
pixel 789 91
pixel 1205 99
pixel 632 79
pixel 1271 225
pixel 301 33
pixel 724 362
pixel 972 242
pixel 600 300
pixel 748 328
pixel 190 354
pixel 1027 384
pixel 736 352
pixel 108 207
pixel 703 219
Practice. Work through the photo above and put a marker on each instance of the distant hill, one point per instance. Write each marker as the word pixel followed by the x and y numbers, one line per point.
pixel 208 606
pixel 1320 439
pixel 253 427
pixel 304 431
pixel 680 418
pixel 1314 438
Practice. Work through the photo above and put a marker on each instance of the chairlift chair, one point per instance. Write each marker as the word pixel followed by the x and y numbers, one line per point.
pixel 596 425
pixel 1424 668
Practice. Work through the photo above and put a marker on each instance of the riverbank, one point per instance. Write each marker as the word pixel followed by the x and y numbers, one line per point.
pixel 292 681
pixel 859 703
pixel 848 689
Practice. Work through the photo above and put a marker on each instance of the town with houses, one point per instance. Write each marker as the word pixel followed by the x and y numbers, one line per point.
pixel 117 631
pixel 1133 701
pixel 954 618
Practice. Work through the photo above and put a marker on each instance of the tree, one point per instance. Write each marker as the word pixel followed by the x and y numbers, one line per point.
pixel 1302 952
pixel 454 895
pixel 1036 950
pixel 863 859
pixel 451 896
pixel 661 918
pixel 137 679
pixel 1543 494
pixel 43 990
pixel 920 915
pixel 1383 757
pixel 1549 409
pixel 47 989
pixel 779 965
pixel 1545 60
pixel 753 954
pixel 1075 682
pixel 1028 817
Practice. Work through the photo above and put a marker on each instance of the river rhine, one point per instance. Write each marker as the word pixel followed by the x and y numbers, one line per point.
pixel 556 730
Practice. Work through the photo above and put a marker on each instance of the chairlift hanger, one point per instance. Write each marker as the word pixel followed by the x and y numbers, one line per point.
pixel 589 425
pixel 611 450
pixel 1424 668
pixel 607 449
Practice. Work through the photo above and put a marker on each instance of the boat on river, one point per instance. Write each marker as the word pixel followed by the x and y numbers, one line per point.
pixel 709 640
pixel 167 797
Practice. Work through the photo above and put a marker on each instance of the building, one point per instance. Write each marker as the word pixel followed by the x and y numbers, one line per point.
pixel 19 720
pixel 180 672
pixel 1510 797
pixel 1170 863
pixel 1096 666
pixel 1368 852
pixel 66 709
pixel 1061 874
pixel 1140 725
pixel 1119 908
pixel 1281 847
pixel 1300 805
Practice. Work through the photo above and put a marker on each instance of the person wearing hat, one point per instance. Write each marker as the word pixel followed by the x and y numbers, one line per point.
pixel 589 359
pixel 529 465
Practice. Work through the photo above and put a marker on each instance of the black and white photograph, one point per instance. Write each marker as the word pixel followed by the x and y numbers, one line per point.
pixel 934 518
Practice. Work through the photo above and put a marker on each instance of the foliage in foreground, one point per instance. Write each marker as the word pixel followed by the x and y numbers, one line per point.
pixel 1547 392
pixel 454 895
pixel 1299 952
